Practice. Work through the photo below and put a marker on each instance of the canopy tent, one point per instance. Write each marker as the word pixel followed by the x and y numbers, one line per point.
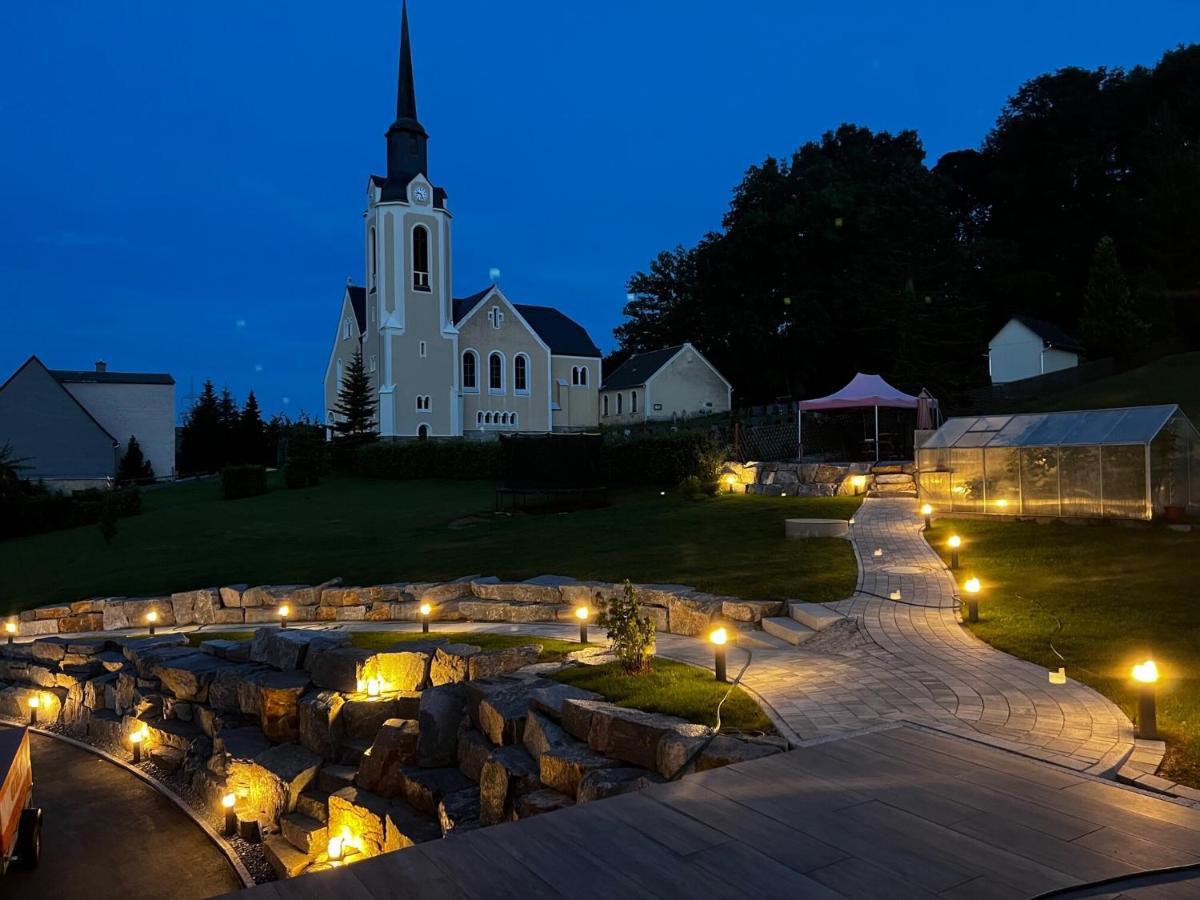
pixel 863 391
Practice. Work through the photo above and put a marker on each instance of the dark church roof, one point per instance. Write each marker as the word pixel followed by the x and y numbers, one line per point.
pixel 69 376
pixel 1051 334
pixel 358 300
pixel 639 368
pixel 563 335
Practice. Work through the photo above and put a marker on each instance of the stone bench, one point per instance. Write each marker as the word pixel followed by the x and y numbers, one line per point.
pixel 806 528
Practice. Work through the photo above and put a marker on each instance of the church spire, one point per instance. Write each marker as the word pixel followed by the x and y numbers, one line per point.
pixel 406 139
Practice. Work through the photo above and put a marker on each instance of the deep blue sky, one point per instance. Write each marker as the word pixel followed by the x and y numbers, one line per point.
pixel 182 183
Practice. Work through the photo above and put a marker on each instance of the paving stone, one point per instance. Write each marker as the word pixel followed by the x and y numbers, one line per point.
pixel 285 860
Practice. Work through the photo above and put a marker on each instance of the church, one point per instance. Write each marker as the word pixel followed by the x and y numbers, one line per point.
pixel 442 367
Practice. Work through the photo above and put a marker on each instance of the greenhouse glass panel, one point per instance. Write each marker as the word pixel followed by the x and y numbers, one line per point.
pixel 1169 466
pixel 948 434
pixel 1092 426
pixel 1080 472
pixel 1002 480
pixel 1050 430
pixel 966 480
pixel 935 488
pixel 1124 471
pixel 1016 432
pixel 1194 468
pixel 1039 481
pixel 1140 425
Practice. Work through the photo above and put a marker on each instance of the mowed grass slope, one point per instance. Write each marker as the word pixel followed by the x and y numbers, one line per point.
pixel 1121 594
pixel 369 531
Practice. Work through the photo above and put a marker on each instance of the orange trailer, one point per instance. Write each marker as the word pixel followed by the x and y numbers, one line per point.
pixel 20 820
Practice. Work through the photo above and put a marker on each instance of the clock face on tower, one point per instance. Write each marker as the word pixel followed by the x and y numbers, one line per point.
pixel 420 194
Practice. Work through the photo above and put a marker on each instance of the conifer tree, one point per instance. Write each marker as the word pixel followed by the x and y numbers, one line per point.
pixel 202 444
pixel 1109 324
pixel 355 410
pixel 134 468
pixel 251 434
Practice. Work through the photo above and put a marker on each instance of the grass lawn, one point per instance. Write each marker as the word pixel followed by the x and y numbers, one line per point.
pixel 673 688
pixel 369 531
pixel 1122 594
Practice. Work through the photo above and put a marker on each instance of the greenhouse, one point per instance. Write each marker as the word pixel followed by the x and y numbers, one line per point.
pixel 1135 463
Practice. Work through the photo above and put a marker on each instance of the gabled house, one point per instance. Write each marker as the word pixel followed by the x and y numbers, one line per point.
pixel 1027 347
pixel 73 427
pixel 664 385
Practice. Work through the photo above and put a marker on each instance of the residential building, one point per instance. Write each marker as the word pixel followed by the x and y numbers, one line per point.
pixel 1026 347
pixel 664 385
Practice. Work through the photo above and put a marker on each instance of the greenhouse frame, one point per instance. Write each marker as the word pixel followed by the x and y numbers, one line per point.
pixel 1134 463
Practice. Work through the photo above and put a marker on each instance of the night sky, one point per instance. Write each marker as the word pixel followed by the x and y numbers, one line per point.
pixel 183 184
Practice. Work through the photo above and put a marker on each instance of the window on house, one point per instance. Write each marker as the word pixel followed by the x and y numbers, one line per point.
pixel 479 418
pixel 606 404
pixel 424 403
pixel 470 375
pixel 373 266
pixel 513 422
pixel 423 433
pixel 619 396
pixel 633 401
pixel 422 349
pixel 346 330
pixel 574 374
pixel 420 256
pixel 496 317
pixel 374 363
pixel 496 372
pixel 583 376
pixel 487 419
pixel 521 374
pixel 341 372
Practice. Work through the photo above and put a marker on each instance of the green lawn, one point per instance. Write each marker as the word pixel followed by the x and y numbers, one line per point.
pixel 553 650
pixel 1122 594
pixel 369 531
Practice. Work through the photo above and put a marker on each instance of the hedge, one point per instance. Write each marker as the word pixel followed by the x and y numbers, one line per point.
pixel 243 481
pixel 41 512
pixel 665 460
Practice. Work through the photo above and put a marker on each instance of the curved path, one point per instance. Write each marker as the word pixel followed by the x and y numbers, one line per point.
pixel 108 834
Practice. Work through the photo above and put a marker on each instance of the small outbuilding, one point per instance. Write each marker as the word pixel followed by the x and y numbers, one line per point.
pixel 1134 463
pixel 664 385
pixel 1026 347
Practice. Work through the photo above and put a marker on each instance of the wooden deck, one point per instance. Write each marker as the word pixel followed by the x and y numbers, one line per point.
pixel 904 813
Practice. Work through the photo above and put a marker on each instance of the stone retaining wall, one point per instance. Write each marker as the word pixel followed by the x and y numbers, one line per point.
pixel 774 479
pixel 674 609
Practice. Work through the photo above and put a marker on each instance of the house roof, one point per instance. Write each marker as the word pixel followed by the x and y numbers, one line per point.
pixel 34 361
pixel 68 376
pixel 1083 427
pixel 358 300
pixel 562 334
pixel 1050 333
pixel 639 368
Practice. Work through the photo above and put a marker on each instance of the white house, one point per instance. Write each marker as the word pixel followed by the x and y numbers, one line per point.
pixel 73 427
pixel 1027 347
pixel 664 385
pixel 440 366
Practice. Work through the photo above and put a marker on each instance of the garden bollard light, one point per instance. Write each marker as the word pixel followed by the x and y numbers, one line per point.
pixel 729 481
pixel 582 614
pixel 230 816
pixel 927 512
pixel 10 629
pixel 136 740
pixel 718 638
pixel 34 702
pixel 971 586
pixel 152 618
pixel 426 609
pixel 284 612
pixel 954 543
pixel 1146 675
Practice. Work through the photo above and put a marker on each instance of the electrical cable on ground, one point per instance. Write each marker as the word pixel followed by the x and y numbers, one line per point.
pixel 695 754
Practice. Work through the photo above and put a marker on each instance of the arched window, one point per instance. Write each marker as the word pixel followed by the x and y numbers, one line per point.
pixel 346 330
pixel 633 401
pixel 420 258
pixel 574 374
pixel 423 433
pixel 496 372
pixel 487 419
pixel 583 376
pixel 341 373
pixel 470 371
pixel 479 418
pixel 514 420
pixel 372 254
pixel 606 404
pixel 619 396
pixel 521 374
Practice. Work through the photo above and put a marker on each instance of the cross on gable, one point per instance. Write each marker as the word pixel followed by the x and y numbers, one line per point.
pixel 495 316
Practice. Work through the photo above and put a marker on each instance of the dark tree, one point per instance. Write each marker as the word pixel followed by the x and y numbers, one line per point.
pixel 203 445
pixel 1109 326
pixel 134 468
pixel 355 409
pixel 251 440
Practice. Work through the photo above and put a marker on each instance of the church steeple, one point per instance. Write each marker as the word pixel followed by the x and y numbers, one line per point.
pixel 406 139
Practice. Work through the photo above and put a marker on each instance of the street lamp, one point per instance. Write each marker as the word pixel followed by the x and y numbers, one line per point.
pixel 425 609
pixel 284 612
pixel 972 586
pixel 927 512
pixel 152 619
pixel 230 816
pixel 719 637
pixel 1146 675
pixel 954 543
pixel 582 614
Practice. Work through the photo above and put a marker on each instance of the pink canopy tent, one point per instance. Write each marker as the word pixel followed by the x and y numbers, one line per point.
pixel 862 392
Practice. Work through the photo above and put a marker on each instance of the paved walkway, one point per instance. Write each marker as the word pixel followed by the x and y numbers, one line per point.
pixel 904 813
pixel 110 836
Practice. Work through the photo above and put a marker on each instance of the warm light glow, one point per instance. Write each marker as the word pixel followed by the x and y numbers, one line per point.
pixel 284 611
pixel 783 493
pixel 228 800
pixel 582 612
pixel 1146 673
pixel 1059 677
pixel 35 701
pixel 955 542
pixel 662 493
pixel 10 627
pixel 426 609
pixel 730 480
pixel 927 510
pixel 859 482
pixel 334 849
pixel 894 595
pixel 719 636
pixel 878 551
pixel 341 844
pixel 1002 503
pixel 971 586
pixel 372 687
pixel 362 685
pixel 851 521
pixel 136 737
pixel 152 616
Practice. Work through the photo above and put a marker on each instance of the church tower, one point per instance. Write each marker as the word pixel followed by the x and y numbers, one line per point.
pixel 411 344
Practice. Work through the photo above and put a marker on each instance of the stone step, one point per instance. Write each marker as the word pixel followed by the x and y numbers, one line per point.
pixel 814 615
pixel 333 778
pixel 760 640
pixel 787 629
pixel 351 752
pixel 307 835
pixel 286 860
pixel 314 804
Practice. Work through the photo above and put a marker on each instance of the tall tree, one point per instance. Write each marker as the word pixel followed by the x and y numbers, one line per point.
pixel 355 409
pixel 251 433
pixel 1109 326
pixel 202 434
pixel 134 468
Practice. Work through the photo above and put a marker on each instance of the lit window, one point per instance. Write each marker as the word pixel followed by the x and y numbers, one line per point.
pixel 470 375
pixel 496 372
pixel 521 374
pixel 420 255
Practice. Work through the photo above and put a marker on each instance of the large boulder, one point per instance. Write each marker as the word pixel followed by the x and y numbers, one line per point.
pixel 196 607
pixel 341 669
pixel 474 750
pixel 750 610
pixel 402 668
pixel 78 623
pixel 286 648
pixel 271 783
pixel 539 802
pixel 438 594
pixel 48 650
pixel 576 715
pixel 188 677
pixel 136 611
pixel 499 611
pixel 693 614
pixel 404 827
pixel 542 733
pixel 395 746
pixel 423 789
pixel 509 773
pixel 600 784
pixel 517 592
pixel 225 690
pixel 459 812
pixel 629 735
pixel 502 714
pixel 272 595
pixel 359 814
pixel 493 663
pixel 451 663
pixel 441 714
pixel 725 751
pixel 562 768
pixel 677 747
pixel 279 704
pixel 231 595
pixel 362 716
pixel 549 696
pixel 321 728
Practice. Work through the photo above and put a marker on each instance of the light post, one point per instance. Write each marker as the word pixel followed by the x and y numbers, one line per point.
pixel 152 620
pixel 230 816
pixel 971 586
pixel 719 638
pixel 136 740
pixel 1146 675
pixel 10 628
pixel 927 512
pixel 34 702
pixel 426 609
pixel 954 543
pixel 730 480
pixel 582 614
pixel 284 612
